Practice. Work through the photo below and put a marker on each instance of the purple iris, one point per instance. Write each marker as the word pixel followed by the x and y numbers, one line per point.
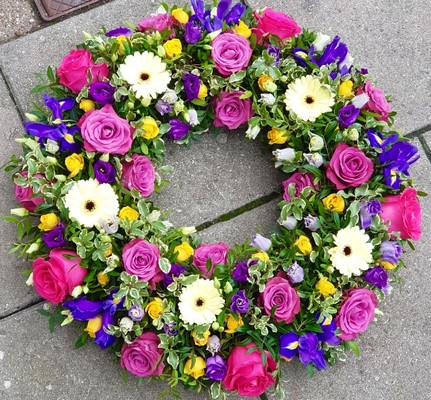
pixel 390 251
pixel 274 52
pixel 216 368
pixel 378 139
pixel 240 303
pixel 121 31
pixel 193 30
pixel 176 270
pixel 367 211
pixel 178 130
pixel 191 86
pixel 104 171
pixel 298 55
pixel 55 237
pixel 170 329
pixel 240 272
pixel 295 273
pixel 335 51
pixel 163 107
pixel 102 92
pixel 230 15
pixel 329 327
pixel 377 276
pixel 347 115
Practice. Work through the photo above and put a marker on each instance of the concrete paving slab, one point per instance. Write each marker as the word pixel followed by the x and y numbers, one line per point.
pixel 391 39
pixel 14 293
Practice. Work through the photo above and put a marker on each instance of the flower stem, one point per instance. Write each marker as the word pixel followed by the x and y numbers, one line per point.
pixel 263 396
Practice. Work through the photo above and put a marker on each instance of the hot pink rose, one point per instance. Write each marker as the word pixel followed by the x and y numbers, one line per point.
pixel 157 23
pixel 216 252
pixel 403 211
pixel 275 23
pixel 279 294
pixel 142 357
pixel 26 197
pixel 139 174
pixel 57 276
pixel 356 313
pixel 377 102
pixel 231 53
pixel 231 111
pixel 141 258
pixel 74 68
pixel 246 372
pixel 349 167
pixel 300 180
pixel 104 131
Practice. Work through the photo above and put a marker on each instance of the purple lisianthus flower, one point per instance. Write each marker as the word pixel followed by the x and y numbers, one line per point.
pixel 295 273
pixel 193 30
pixel 104 171
pixel 367 211
pixel 328 334
pixel 216 368
pixel 240 303
pixel 213 345
pixel 240 273
pixel 261 242
pixel 55 237
pixel 274 52
pixel 136 313
pixel 377 276
pixel 311 223
pixel 391 251
pixel 191 86
pixel 335 51
pixel 176 270
pixel 178 130
pixel 121 31
pixel 163 107
pixel 170 329
pixel 347 115
pixel 83 309
pixel 102 92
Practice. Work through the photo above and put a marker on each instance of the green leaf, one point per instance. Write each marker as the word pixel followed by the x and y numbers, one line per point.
pixel 165 265
pixel 173 359
pixel 352 345
pixel 81 340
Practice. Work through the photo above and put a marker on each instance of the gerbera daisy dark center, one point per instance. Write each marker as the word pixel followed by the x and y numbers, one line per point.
pixel 309 100
pixel 347 251
pixel 90 205
pixel 200 302
pixel 145 76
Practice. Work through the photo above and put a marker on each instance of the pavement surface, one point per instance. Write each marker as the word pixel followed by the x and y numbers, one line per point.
pixel 392 39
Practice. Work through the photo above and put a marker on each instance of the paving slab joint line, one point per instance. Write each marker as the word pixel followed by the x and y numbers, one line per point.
pixel 425 146
pixel 23 308
pixel 418 132
pixel 11 94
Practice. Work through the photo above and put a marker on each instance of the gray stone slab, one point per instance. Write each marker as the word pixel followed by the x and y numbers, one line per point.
pixel 391 38
pixel 14 293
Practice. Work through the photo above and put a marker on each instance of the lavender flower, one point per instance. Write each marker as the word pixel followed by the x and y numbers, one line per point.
pixel 136 313
pixel 213 345
pixel 295 273
pixel 178 130
pixel 261 242
pixel 311 223
pixel 240 303
pixel 55 237
pixel 191 86
pixel 193 30
pixel 390 251
pixel 163 107
pixel 216 368
pixel 367 211
pixel 170 329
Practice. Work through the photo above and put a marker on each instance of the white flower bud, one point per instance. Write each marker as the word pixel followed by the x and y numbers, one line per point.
pixel 353 134
pixel 321 41
pixel 290 223
pixel 161 52
pixel 316 142
pixel 153 216
pixel 227 288
pixel 146 101
pixel 287 154
pixel 32 117
pixel 179 107
pixel 51 160
pixel 126 324
pixel 20 212
pixel 267 99
pixel 188 230
pixel 77 291
pixel 314 159
pixel 170 96
pixel 29 281
pixel 214 34
pixel 33 248
pixel 251 133
pixel 52 146
pixel 192 117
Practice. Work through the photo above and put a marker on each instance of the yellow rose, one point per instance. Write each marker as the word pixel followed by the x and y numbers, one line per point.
pixel 304 245
pixel 184 250
pixel 196 369
pixel 266 83
pixel 74 164
pixel 86 105
pixel 121 40
pixel 102 279
pixel 388 265
pixel 233 324
pixel 93 325
pixel 150 127
pixel 173 48
pixel 276 136
pixel 203 91
pixel 180 15
pixel 346 89
pixel 154 308
pixel 325 287
pixel 128 213
pixel 261 255
pixel 242 29
pixel 48 222
pixel 334 203
pixel 201 340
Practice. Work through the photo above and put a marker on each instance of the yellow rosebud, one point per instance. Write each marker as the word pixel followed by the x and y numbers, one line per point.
pixel 325 287
pixel 265 82
pixel 74 164
pixel 150 127
pixel 184 250
pixel 173 48
pixel 128 213
pixel 86 105
pixel 121 40
pixel 48 222
pixel 102 278
pixel 304 245
pixel 387 265
pixel 203 91
pixel 180 15
pixel 108 252
pixel 201 340
pixel 232 323
pixel 346 89
pixel 154 308
pixel 334 202
pixel 261 255
pixel 196 369
pixel 93 325
pixel 276 136
pixel 242 29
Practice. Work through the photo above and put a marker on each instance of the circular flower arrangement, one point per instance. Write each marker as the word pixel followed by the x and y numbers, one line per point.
pixel 207 315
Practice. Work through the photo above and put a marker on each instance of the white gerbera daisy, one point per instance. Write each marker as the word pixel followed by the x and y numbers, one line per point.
pixel 91 203
pixel 352 253
pixel 308 98
pixel 146 73
pixel 200 302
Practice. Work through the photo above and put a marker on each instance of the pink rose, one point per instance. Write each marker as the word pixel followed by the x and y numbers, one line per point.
pixel 377 102
pixel 403 211
pixel 279 294
pixel 104 131
pixel 246 372
pixel 231 53
pixel 142 357
pixel 139 174
pixel 26 197
pixel 57 276
pixel 349 167
pixel 74 68
pixel 157 23
pixel 300 180
pixel 216 252
pixel 275 23
pixel 230 110
pixel 356 313
pixel 141 258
